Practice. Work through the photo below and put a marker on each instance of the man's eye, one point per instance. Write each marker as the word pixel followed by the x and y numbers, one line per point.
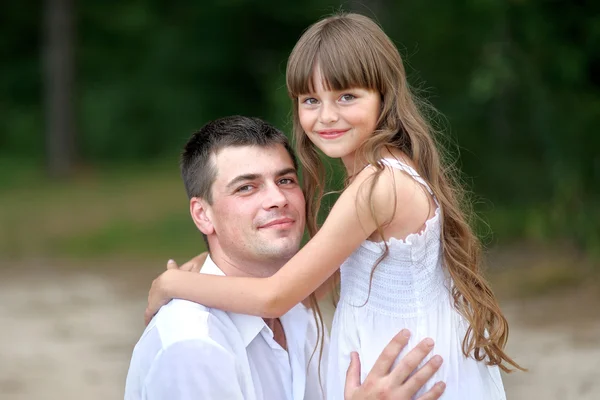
pixel 245 188
pixel 287 181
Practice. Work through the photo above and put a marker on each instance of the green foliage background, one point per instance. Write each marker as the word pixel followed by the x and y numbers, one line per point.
pixel 518 83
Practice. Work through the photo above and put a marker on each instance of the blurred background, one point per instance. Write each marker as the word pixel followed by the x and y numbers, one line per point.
pixel 97 99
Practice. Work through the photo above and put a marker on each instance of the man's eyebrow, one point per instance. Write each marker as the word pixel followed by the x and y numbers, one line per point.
pixel 250 177
pixel 286 171
pixel 242 178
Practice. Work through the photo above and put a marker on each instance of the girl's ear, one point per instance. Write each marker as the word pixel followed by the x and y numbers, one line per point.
pixel 202 215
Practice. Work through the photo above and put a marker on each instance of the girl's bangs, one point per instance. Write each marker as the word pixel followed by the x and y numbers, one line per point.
pixel 343 65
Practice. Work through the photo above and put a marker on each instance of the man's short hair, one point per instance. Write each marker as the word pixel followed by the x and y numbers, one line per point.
pixel 197 169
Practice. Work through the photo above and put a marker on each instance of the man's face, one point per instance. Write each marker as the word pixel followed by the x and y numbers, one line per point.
pixel 258 206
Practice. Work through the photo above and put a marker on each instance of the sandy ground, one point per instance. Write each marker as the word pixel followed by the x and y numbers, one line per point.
pixel 69 335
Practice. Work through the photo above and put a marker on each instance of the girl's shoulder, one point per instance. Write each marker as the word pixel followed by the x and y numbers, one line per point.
pixel 395 174
pixel 394 190
pixel 377 188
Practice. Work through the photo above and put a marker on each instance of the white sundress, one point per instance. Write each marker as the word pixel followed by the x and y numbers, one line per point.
pixel 410 289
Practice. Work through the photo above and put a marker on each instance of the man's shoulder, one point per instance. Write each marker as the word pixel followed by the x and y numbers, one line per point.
pixel 182 342
pixel 182 320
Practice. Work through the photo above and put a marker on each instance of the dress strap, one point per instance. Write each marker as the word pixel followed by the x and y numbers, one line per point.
pixel 394 163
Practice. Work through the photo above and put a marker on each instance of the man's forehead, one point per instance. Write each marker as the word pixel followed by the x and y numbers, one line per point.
pixel 232 161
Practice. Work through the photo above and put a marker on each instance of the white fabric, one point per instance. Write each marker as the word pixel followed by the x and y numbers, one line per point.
pixel 409 290
pixel 190 352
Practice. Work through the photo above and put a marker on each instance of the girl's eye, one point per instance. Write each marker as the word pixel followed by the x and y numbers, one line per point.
pixel 310 101
pixel 347 97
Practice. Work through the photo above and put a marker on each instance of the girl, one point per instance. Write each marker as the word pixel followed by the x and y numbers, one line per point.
pixel 398 232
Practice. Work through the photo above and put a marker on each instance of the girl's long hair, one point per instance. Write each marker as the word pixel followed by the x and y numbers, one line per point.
pixel 352 51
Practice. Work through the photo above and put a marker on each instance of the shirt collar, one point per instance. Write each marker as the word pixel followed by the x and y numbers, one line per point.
pixel 247 325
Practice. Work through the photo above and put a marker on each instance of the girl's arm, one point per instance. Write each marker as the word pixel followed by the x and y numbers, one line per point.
pixel 324 290
pixel 349 223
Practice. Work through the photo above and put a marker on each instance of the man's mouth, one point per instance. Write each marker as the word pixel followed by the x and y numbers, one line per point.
pixel 279 223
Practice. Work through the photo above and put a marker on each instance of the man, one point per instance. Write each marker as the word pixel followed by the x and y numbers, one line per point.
pixel 240 176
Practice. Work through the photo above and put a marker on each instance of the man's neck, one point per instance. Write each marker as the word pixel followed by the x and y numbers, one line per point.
pixel 234 266
pixel 278 333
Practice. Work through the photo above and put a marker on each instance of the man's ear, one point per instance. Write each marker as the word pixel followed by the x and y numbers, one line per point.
pixel 202 215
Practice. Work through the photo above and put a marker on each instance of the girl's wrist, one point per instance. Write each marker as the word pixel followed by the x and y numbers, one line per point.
pixel 166 286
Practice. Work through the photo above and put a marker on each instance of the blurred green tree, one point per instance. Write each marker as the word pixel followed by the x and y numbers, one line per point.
pixel 517 83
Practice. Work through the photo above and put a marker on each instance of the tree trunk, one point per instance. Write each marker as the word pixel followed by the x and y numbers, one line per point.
pixel 58 87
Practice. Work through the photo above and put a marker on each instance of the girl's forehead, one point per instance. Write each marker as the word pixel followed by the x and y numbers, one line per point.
pixel 319 83
pixel 330 75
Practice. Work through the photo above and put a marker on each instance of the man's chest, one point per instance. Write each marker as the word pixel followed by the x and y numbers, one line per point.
pixel 276 373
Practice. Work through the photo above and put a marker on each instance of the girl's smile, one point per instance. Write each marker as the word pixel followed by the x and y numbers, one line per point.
pixel 332 133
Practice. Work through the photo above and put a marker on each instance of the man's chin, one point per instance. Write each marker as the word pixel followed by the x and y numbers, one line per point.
pixel 281 251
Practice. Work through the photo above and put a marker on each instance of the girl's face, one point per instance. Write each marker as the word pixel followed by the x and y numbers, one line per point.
pixel 338 122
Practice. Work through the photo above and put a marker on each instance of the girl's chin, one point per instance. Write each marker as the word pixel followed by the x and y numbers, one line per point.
pixel 332 152
pixel 335 153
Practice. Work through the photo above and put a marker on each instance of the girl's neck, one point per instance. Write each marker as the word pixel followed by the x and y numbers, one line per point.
pixel 353 163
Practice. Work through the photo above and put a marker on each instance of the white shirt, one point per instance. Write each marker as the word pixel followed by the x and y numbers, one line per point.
pixel 189 351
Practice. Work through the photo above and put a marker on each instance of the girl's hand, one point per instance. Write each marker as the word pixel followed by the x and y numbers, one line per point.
pixel 194 265
pixel 158 297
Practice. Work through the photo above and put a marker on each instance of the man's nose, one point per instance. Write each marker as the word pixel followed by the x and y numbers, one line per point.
pixel 275 197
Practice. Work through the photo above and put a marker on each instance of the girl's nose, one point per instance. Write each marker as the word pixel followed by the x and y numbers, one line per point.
pixel 328 113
